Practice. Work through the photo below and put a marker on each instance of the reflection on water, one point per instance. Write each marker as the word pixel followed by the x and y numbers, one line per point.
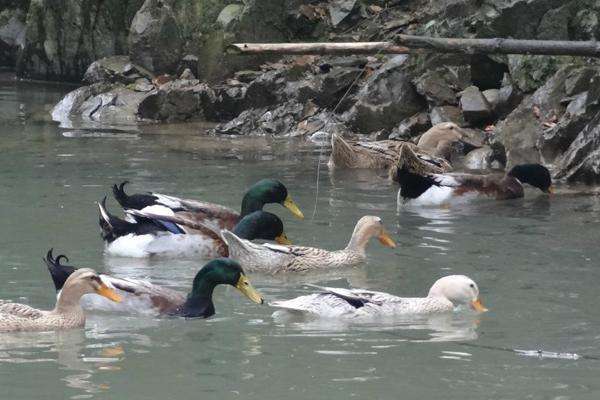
pixel 535 260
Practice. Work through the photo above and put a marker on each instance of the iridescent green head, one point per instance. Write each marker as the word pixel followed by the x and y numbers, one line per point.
pixel 223 271
pixel 268 191
pixel 261 225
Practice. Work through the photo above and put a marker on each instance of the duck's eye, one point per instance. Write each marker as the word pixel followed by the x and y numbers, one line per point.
pixel 472 286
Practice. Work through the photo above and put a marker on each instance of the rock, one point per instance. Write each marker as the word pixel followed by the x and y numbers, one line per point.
pixel 115 69
pixel 435 89
pixel 411 127
pixel 387 98
pixel 581 161
pixel 71 104
pixel 492 96
pixel 509 98
pixel 474 106
pixel 530 72
pixel 579 111
pixel 190 62
pixel 339 10
pixel 579 80
pixel 229 14
pixel 482 158
pixel 264 121
pixel 12 35
pixel 187 74
pixel 155 39
pixel 446 114
pixel 523 128
pixel 64 37
pixel 585 25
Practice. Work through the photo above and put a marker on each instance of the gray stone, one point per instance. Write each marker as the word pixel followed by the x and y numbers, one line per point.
pixel 411 127
pixel 229 14
pixel 64 37
pixel 446 114
pixel 155 39
pixel 581 161
pixel 187 74
pixel 435 89
pixel 509 98
pixel 387 98
pixel 482 158
pixel 474 106
pixel 339 10
pixel 493 97
pixel 114 69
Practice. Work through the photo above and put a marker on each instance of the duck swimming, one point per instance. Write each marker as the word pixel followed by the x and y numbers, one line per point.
pixel 139 296
pixel 445 294
pixel 262 192
pixel 171 234
pixel 66 314
pixel 276 258
pixel 439 189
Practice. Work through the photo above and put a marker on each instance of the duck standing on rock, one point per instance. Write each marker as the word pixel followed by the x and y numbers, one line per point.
pixel 277 258
pixel 438 189
pixel 139 296
pixel 66 314
pixel 445 294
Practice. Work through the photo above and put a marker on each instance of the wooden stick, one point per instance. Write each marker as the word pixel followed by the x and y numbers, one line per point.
pixel 318 48
pixel 404 44
pixel 501 46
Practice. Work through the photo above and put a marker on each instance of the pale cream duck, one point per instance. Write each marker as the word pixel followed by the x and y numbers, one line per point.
pixel 276 258
pixel 67 313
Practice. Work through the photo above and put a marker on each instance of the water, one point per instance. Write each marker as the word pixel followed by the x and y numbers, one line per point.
pixel 536 262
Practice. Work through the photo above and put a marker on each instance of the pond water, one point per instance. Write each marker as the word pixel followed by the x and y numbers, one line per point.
pixel 536 261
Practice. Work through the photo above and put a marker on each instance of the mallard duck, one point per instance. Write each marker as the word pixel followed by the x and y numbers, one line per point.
pixel 445 294
pixel 140 296
pixel 66 314
pixel 384 155
pixel 172 234
pixel 439 189
pixel 445 140
pixel 277 258
pixel 262 192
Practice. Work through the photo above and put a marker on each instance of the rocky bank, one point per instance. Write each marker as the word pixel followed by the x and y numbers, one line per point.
pixel 164 60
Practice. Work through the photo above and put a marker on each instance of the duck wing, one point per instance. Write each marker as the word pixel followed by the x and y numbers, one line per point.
pixel 20 310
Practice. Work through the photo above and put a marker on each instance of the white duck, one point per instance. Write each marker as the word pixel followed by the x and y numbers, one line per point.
pixel 445 294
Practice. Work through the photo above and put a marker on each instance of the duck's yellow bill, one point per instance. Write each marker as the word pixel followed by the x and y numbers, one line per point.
pixel 107 292
pixel 282 239
pixel 247 290
pixel 550 190
pixel 478 306
pixel 386 240
pixel 290 205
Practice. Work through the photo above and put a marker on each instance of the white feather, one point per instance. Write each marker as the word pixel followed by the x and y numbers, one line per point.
pixel 169 245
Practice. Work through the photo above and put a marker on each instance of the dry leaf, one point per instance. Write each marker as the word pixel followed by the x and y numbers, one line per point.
pixel 375 9
pixel 536 112
pixel 489 128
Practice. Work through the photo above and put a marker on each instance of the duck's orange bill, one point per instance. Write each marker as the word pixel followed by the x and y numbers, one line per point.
pixel 386 240
pixel 107 292
pixel 478 306
pixel 282 239
pixel 551 190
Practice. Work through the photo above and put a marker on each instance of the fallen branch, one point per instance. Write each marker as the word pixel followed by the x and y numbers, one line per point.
pixel 501 46
pixel 405 43
pixel 318 48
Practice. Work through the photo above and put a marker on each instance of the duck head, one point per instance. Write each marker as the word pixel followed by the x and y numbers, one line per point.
pixel 261 225
pixel 83 281
pixel 220 271
pixel 268 191
pixel 533 174
pixel 367 227
pixel 458 289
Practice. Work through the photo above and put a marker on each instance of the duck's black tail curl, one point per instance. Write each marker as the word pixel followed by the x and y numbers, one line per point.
pixel 120 195
pixel 59 272
pixel 135 201
pixel 114 227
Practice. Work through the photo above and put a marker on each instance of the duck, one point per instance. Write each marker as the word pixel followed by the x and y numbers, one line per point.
pixel 444 296
pixel 262 192
pixel 166 233
pixel 383 155
pixel 446 140
pixel 277 258
pixel 67 313
pixel 142 297
pixel 418 188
